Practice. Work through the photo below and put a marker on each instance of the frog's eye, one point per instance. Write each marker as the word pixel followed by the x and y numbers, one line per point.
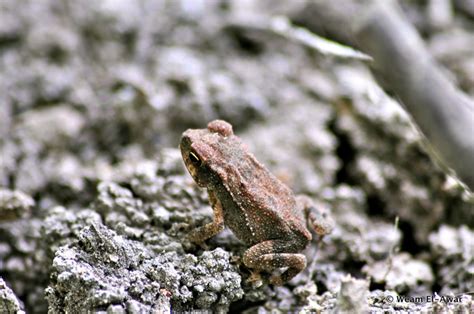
pixel 194 159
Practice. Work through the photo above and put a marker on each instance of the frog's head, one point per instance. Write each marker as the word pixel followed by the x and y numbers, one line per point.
pixel 200 148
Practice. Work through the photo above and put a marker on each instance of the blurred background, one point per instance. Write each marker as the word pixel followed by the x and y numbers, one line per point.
pixel 89 89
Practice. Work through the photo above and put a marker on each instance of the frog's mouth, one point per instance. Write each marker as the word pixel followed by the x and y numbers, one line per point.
pixel 192 170
pixel 192 161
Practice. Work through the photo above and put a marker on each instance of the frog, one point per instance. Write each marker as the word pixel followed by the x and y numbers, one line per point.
pixel 254 204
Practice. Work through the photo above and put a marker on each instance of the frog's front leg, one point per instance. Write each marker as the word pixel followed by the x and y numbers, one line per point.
pixel 317 218
pixel 201 234
pixel 273 254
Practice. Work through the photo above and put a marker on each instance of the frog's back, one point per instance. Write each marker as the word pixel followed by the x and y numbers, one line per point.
pixel 268 205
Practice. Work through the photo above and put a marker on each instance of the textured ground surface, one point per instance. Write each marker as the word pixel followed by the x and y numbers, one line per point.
pixel 95 201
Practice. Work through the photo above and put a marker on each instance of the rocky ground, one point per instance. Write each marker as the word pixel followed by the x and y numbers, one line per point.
pixel 95 201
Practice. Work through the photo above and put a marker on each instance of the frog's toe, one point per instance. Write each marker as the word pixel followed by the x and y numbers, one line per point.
pixel 255 279
pixel 202 245
pixel 191 241
pixel 276 280
pixel 320 221
pixel 322 227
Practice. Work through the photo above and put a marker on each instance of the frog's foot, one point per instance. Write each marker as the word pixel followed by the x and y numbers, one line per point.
pixel 202 245
pixel 320 224
pixel 266 256
pixel 276 280
pixel 191 243
pixel 317 216
pixel 255 279
pixel 297 262
pixel 199 235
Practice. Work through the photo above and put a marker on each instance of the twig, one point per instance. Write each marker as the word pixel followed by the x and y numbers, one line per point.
pixel 392 251
pixel 281 26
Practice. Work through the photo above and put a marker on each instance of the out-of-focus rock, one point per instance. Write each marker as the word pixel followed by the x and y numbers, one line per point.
pixel 14 204
pixel 402 273
pixel 453 254
pixel 466 6
pixel 51 126
pixel 347 242
pixel 277 146
pixel 454 48
pixel 353 295
pixel 393 182
pixel 440 13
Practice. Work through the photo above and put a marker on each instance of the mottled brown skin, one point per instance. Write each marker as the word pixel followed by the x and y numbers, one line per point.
pixel 259 209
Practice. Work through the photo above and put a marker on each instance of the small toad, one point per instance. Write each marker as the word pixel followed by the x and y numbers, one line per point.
pixel 259 209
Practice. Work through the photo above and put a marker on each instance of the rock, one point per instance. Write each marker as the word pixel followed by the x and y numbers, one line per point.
pixel 353 296
pixel 14 204
pixel 8 301
pixel 402 273
pixel 106 269
pixel 453 254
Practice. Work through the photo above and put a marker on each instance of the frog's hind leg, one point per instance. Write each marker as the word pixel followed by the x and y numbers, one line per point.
pixel 273 254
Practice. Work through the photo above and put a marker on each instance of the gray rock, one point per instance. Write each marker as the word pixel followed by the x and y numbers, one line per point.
pixel 93 100
pixel 402 273
pixel 352 296
pixel 453 254
pixel 104 269
pixel 8 301
pixel 14 204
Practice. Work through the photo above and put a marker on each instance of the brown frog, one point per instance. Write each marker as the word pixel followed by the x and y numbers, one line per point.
pixel 259 209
